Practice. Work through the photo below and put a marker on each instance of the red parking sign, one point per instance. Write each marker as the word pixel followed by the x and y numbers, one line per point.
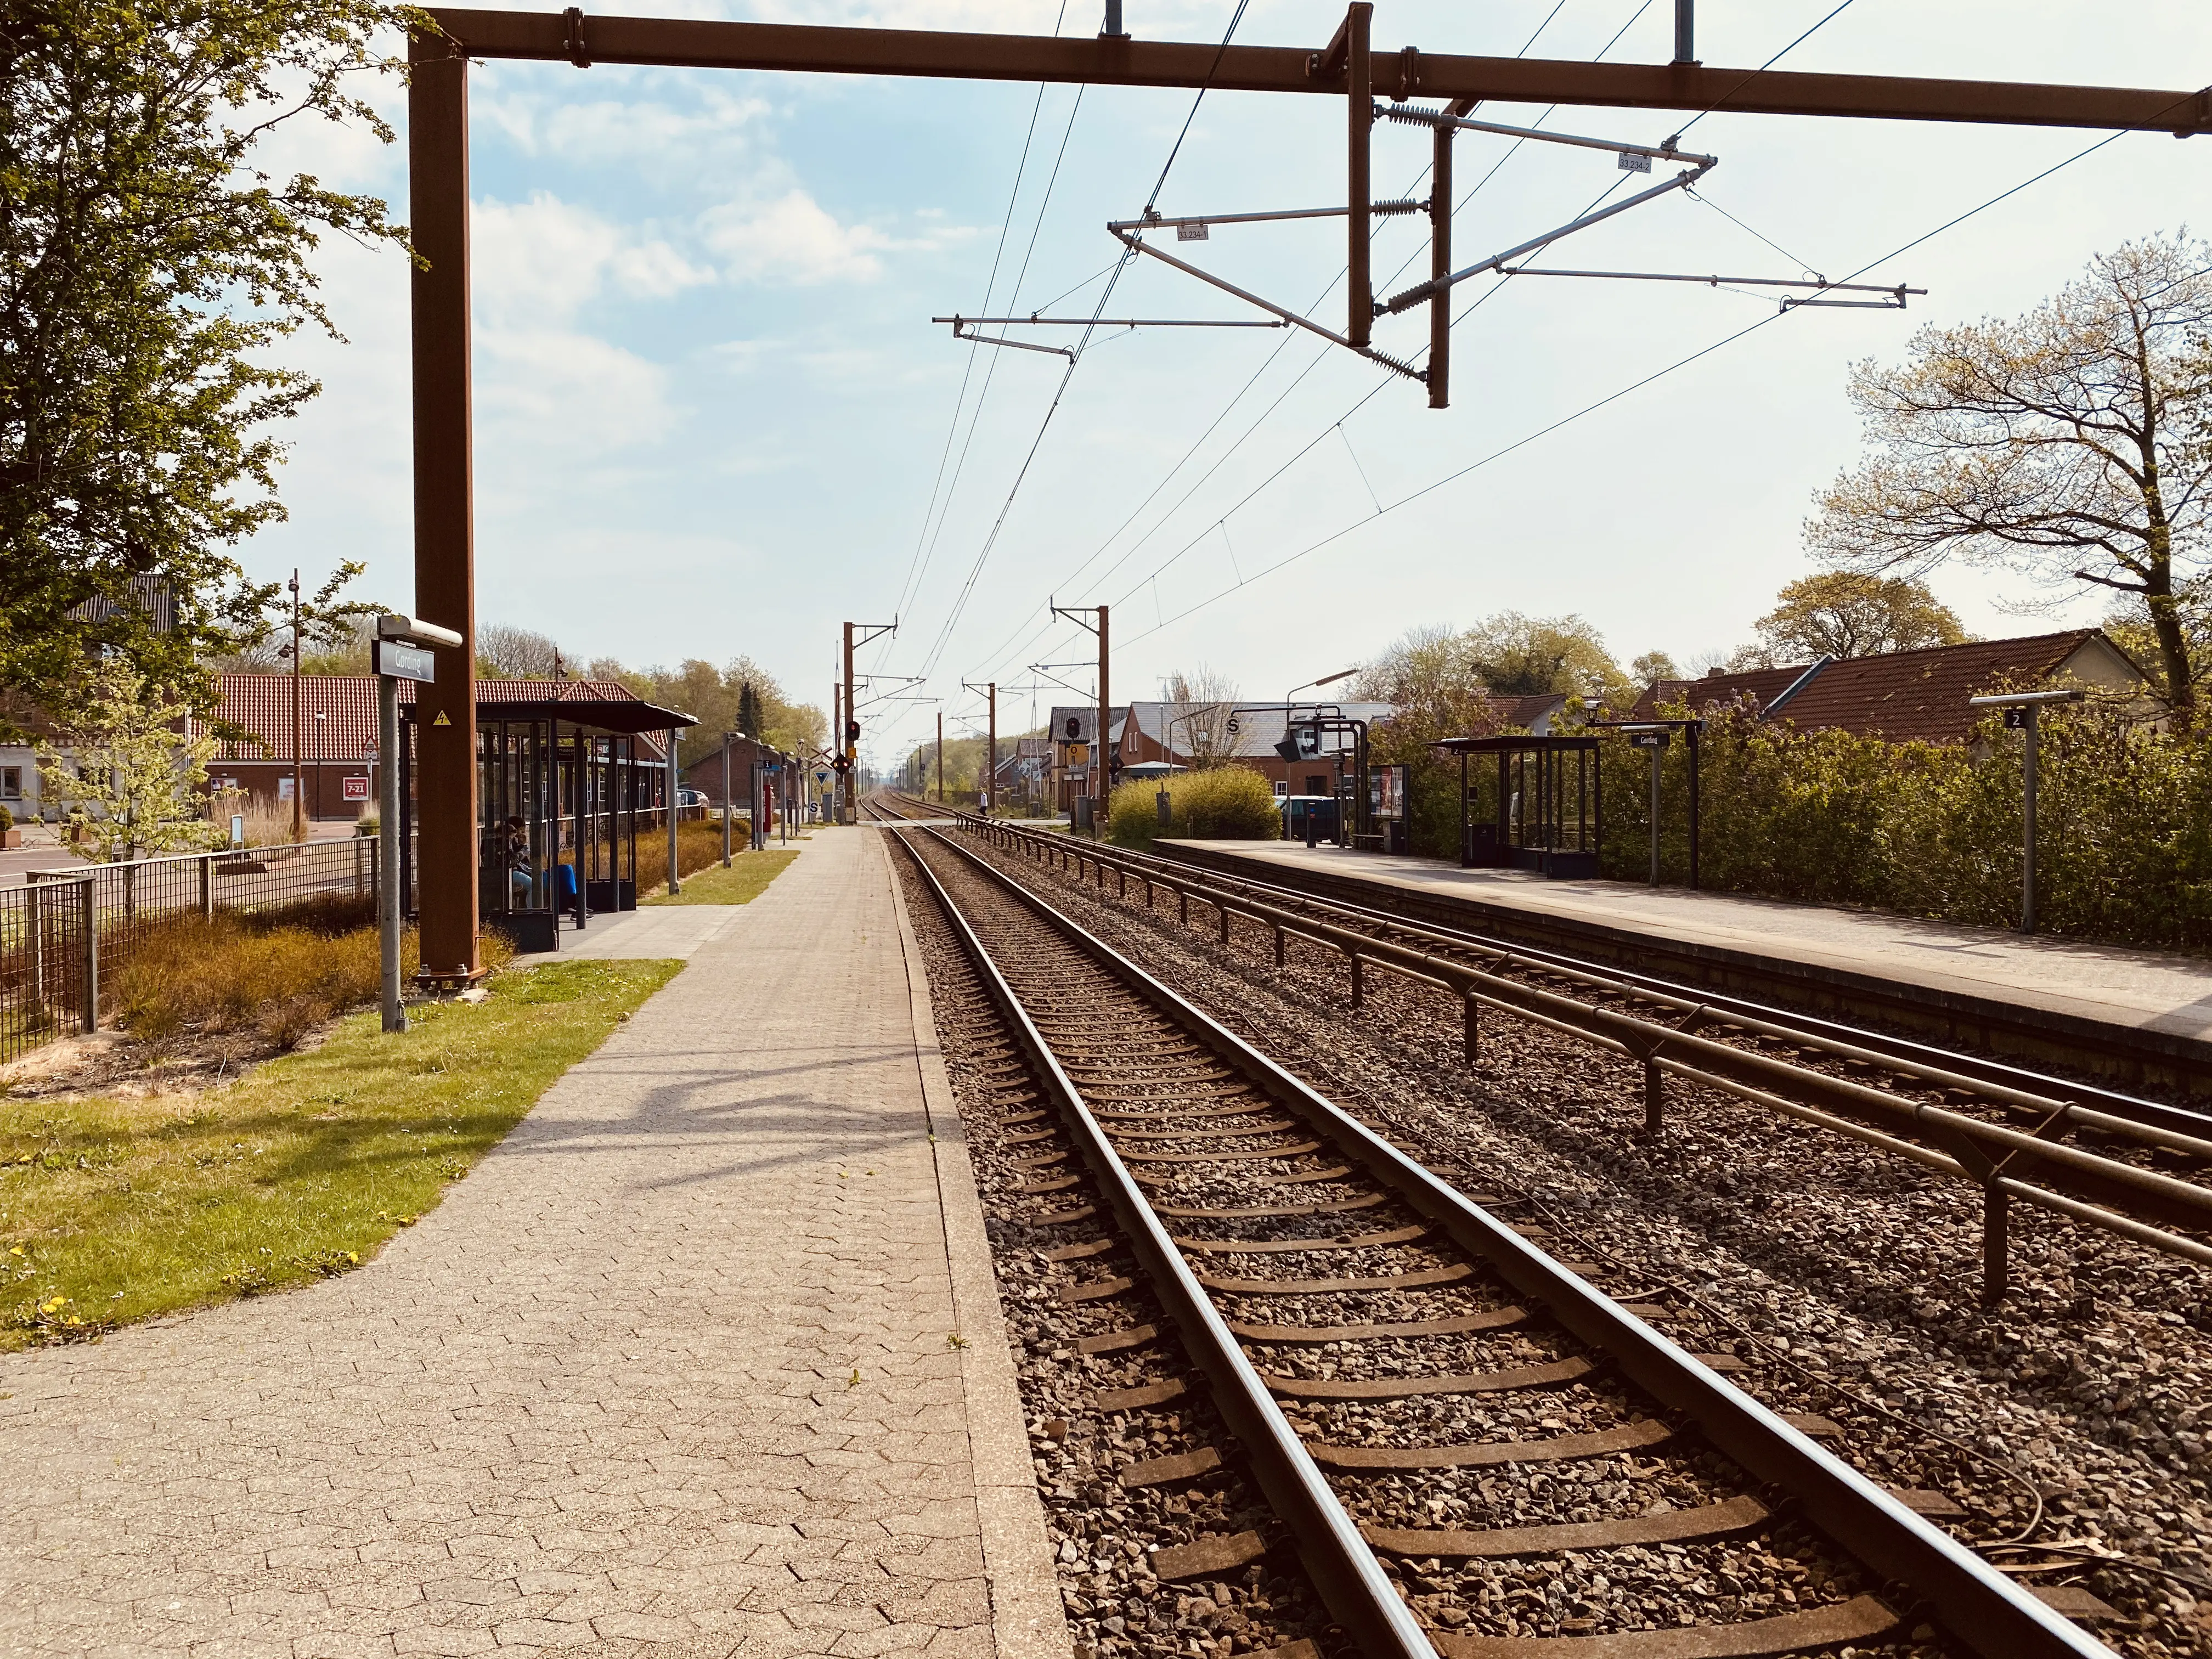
pixel 355 788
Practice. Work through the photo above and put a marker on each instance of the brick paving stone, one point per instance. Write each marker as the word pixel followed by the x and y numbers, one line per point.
pixel 667 1376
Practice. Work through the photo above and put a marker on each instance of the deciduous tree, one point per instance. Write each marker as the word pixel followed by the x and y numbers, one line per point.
pixel 1203 699
pixel 1850 613
pixel 130 774
pixel 148 274
pixel 1520 656
pixel 505 651
pixel 2066 445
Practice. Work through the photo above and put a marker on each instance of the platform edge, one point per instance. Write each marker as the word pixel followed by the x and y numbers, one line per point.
pixel 1027 1619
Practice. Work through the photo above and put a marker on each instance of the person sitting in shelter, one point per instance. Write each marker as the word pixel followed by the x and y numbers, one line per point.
pixel 521 873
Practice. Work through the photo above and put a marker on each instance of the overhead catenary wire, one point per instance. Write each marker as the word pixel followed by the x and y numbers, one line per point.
pixel 1036 230
pixel 1007 650
pixel 1368 396
pixel 968 588
pixel 1615 397
pixel 915 564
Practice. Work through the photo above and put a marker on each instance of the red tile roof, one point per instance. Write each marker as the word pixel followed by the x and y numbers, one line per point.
pixel 262 705
pixel 1903 695
pixel 1718 690
pixel 1526 711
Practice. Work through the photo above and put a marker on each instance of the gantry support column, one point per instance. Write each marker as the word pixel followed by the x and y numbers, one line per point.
pixel 1359 85
pixel 444 768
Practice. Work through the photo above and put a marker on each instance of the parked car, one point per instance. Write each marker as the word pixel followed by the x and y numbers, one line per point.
pixel 690 797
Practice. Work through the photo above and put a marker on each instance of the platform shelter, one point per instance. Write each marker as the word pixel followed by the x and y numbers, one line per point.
pixel 1543 812
pixel 564 784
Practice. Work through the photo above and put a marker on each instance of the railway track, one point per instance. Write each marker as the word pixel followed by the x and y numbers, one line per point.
pixel 2126 1166
pixel 1472 1450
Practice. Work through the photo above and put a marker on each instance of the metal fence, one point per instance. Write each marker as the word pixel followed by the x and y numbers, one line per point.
pixel 66 933
pixel 47 964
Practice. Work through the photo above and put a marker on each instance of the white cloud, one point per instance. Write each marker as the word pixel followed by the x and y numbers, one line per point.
pixel 715 122
pixel 556 391
pixel 792 240
pixel 542 261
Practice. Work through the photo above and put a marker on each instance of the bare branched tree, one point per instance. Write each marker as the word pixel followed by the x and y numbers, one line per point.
pixel 505 651
pixel 2062 446
pixel 1198 720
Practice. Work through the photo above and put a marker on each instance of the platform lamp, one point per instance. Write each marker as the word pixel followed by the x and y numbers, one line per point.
pixel 403 652
pixel 2020 715
pixel 322 725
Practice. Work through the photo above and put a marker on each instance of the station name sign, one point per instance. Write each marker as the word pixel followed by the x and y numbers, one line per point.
pixel 406 662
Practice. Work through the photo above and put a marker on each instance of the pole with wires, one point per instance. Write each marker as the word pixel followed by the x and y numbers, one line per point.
pixel 1359 99
pixel 1100 779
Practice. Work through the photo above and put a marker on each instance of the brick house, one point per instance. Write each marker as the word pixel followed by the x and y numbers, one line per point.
pixel 1908 695
pixel 337 756
pixel 1162 731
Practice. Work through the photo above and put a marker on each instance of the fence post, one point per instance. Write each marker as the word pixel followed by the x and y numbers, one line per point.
pixel 1996 1209
pixel 33 906
pixel 89 906
pixel 207 886
pixel 1474 1029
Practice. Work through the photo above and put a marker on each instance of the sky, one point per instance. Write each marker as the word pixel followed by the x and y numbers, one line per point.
pixel 713 415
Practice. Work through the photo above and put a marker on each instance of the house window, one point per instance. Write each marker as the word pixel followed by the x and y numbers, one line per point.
pixel 1316 783
pixel 11 781
pixel 1282 789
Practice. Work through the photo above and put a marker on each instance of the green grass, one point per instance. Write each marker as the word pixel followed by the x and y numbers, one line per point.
pixel 746 879
pixel 116 1210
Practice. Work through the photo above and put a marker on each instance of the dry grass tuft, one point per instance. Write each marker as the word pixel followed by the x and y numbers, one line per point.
pixel 275 975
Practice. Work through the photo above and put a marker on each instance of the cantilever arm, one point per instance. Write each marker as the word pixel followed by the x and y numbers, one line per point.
pixel 1414 295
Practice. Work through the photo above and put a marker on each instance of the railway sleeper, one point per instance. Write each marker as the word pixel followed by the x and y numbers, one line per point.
pixel 1861 1616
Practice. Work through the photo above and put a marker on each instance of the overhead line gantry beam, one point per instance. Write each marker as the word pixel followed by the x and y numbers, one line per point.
pixel 1406 73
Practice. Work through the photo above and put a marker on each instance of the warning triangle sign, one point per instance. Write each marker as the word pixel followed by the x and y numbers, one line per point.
pixel 441 720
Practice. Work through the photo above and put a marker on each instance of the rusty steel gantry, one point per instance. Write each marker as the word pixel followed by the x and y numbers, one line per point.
pixel 1346 68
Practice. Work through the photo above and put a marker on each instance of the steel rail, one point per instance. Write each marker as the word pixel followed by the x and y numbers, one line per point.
pixel 1983 1152
pixel 682 42
pixel 2112 1110
pixel 1349 1579
pixel 1976 1603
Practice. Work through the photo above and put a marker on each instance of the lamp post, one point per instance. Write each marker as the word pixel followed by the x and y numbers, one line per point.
pixel 2020 711
pixel 403 652
pixel 322 725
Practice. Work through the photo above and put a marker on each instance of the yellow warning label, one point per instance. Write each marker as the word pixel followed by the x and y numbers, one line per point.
pixel 441 720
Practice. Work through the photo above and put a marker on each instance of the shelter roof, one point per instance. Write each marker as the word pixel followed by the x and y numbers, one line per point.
pixel 1515 744
pixel 261 705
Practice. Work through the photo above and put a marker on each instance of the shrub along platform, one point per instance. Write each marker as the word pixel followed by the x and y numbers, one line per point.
pixel 2140 1018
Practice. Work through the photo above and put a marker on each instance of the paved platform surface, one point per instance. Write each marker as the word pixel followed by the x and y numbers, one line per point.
pixel 2141 990
pixel 669 1374
pixel 650 931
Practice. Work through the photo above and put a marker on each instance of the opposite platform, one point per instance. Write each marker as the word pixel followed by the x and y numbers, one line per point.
pixel 2146 1015
pixel 672 1372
